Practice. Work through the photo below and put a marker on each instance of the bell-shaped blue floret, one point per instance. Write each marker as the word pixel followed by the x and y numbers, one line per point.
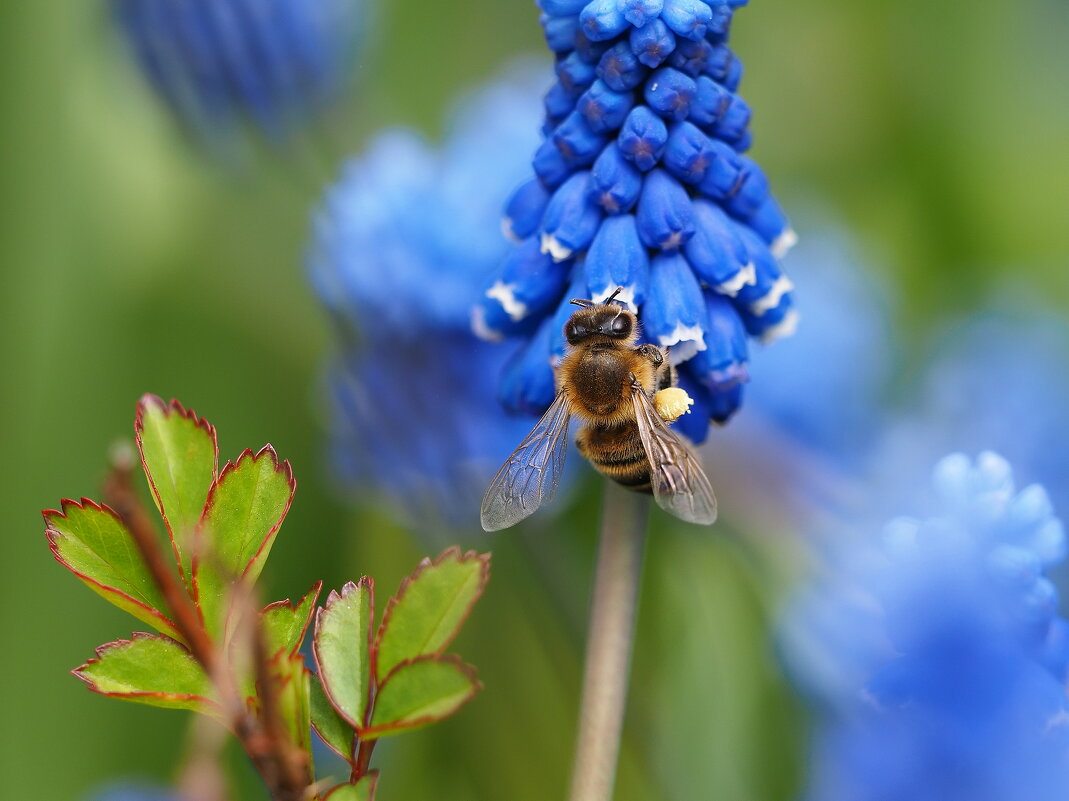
pixel 652 43
pixel 724 174
pixel 620 68
pixel 577 142
pixel 571 218
pixel 527 382
pixel 643 138
pixel 751 193
pixel 731 127
pixel 674 312
pixel 524 210
pixel 769 285
pixel 604 109
pixel 723 403
pixel 688 18
pixel 559 32
pixel 689 153
pixel 602 20
pixel 529 284
pixel 775 323
pixel 716 253
pixel 711 100
pixel 615 183
pixel 723 363
pixel 670 92
pixel 575 75
pixel 617 258
pixel 665 217
pixel 694 425
pixel 640 12
pixel 772 225
pixel 558 103
pixel 549 165
pixel 722 66
pixel 690 57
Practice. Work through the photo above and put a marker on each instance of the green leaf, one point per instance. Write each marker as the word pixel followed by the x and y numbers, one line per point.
pixel 149 669
pixel 363 790
pixel 342 647
pixel 419 693
pixel 284 624
pixel 430 607
pixel 244 510
pixel 180 455
pixel 92 542
pixel 293 681
pixel 329 725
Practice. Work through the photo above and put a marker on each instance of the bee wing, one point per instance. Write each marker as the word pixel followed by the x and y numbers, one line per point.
pixel 679 483
pixel 530 476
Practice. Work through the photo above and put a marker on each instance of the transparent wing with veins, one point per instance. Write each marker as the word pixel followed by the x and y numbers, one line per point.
pixel 679 483
pixel 530 476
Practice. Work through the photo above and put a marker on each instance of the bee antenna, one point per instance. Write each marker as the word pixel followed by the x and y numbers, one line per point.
pixel 612 297
pixel 586 304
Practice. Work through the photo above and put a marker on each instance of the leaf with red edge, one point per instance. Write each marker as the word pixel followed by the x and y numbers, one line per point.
pixel 430 607
pixel 284 624
pixel 242 516
pixel 180 456
pixel 421 692
pixel 363 790
pixel 292 679
pixel 91 541
pixel 342 647
pixel 329 725
pixel 150 669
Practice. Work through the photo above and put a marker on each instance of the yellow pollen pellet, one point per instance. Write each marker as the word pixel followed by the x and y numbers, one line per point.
pixel 672 403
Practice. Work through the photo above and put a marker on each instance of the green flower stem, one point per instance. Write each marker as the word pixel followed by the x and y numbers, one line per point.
pixel 608 648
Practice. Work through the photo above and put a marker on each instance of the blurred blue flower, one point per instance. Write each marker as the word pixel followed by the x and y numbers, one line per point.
pixel 938 654
pixel 403 245
pixel 641 182
pixel 217 62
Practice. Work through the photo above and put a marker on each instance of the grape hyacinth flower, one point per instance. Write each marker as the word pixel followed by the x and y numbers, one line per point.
pixel 939 656
pixel 641 181
pixel 403 244
pixel 218 62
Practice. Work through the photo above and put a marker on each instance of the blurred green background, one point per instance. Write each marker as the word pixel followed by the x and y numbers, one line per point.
pixel 937 131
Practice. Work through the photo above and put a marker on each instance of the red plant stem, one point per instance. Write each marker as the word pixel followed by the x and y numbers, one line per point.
pixel 363 760
pixel 609 642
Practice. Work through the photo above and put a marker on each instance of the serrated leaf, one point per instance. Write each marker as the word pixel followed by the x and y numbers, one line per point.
pixel 329 725
pixel 363 790
pixel 242 515
pixel 149 669
pixel 342 646
pixel 180 457
pixel 284 625
pixel 419 693
pixel 91 541
pixel 293 681
pixel 430 607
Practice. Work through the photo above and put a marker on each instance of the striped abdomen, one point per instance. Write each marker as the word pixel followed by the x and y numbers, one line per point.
pixel 616 452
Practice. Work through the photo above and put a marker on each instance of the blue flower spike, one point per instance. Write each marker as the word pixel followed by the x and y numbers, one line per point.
pixel 641 183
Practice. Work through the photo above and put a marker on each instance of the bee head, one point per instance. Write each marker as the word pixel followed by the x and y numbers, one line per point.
pixel 606 319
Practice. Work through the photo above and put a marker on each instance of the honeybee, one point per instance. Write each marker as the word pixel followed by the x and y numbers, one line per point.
pixel 609 384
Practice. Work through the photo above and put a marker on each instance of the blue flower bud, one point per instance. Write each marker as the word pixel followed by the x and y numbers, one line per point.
pixel 670 93
pixel 571 218
pixel 710 102
pixel 527 381
pixel 558 103
pixel 772 225
pixel 604 109
pixel 575 74
pixel 560 7
pixel 524 210
pixel 750 193
pixel 549 165
pixel 731 127
pixel 652 43
pixel 602 19
pixel 529 284
pixel 643 137
pixel 617 258
pixel 724 68
pixel 674 312
pixel 640 12
pixel 590 52
pixel 720 24
pixel 577 143
pixel 716 253
pixel 665 218
pixel 724 173
pixel 620 68
pixel 688 18
pixel 559 32
pixel 689 153
pixel 723 363
pixel 615 183
pixel 744 142
pixel 690 57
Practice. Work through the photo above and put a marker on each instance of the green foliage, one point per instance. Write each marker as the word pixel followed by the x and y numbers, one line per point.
pixel 217 653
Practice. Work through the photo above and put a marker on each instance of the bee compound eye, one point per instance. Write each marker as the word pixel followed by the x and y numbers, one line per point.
pixel 573 331
pixel 621 325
